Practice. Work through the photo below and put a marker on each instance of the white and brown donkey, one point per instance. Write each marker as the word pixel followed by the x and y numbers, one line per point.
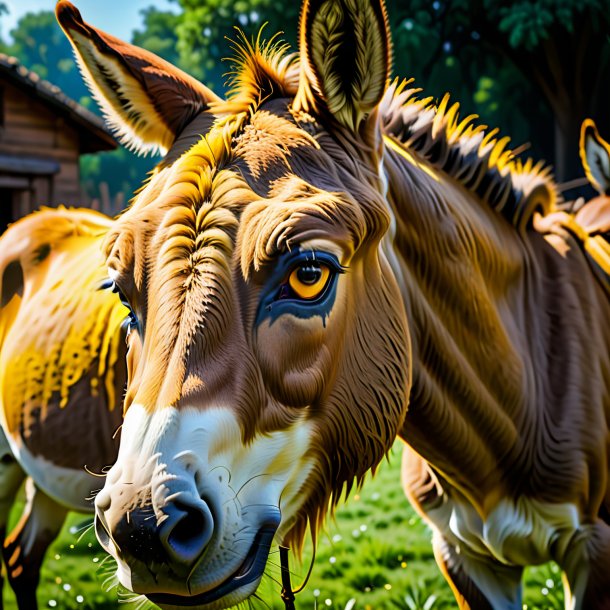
pixel 62 377
pixel 323 262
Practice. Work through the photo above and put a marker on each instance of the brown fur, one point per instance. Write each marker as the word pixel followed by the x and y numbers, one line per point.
pixel 455 303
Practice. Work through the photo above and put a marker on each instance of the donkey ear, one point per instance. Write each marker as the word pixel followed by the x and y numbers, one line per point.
pixel 595 157
pixel 345 52
pixel 145 99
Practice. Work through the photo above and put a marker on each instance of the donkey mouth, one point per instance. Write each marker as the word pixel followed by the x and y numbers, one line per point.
pixel 249 571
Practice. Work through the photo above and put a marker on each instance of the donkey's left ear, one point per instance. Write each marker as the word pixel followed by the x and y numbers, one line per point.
pixel 144 98
pixel 595 157
pixel 345 53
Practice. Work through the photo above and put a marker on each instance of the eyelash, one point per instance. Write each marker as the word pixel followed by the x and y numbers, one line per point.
pixel 111 285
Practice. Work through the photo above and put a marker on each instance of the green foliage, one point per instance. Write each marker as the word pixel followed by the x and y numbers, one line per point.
pixel 205 25
pixel 491 55
pixel 528 23
pixel 445 45
pixel 121 169
pixel 541 90
pixel 420 596
pixel 41 46
pixel 159 34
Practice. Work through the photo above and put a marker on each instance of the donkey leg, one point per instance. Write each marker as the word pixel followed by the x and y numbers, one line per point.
pixel 478 584
pixel 25 547
pixel 587 570
pixel 11 477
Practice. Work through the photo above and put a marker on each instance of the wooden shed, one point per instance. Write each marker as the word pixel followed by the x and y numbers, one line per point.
pixel 42 135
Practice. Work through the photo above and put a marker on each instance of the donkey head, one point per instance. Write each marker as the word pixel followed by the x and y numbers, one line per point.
pixel 269 351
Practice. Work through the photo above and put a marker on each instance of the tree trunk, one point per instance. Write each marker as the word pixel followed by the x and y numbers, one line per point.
pixel 571 70
pixel 567 134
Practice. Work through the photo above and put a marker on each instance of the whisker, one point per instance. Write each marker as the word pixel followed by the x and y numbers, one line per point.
pixel 273 578
pixel 260 599
pixel 85 531
pixel 94 474
pixel 106 559
pixel 223 467
pixel 93 495
pixel 256 476
pixel 277 565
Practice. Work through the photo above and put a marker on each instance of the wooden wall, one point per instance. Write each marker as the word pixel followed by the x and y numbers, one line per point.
pixel 29 128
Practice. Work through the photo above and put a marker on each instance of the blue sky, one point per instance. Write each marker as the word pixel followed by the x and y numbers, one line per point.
pixel 118 17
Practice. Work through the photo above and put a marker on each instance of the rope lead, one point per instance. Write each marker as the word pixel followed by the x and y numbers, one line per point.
pixel 287 593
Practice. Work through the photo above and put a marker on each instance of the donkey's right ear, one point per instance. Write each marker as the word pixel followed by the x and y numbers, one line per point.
pixel 595 157
pixel 145 99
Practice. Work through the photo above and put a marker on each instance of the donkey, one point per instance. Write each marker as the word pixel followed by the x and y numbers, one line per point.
pixel 322 262
pixel 595 157
pixel 589 222
pixel 62 375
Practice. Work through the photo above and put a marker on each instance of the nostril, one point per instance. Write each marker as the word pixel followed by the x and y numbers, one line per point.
pixel 190 526
pixel 186 531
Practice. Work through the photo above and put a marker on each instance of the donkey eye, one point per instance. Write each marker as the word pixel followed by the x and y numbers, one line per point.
pixel 308 281
pixel 111 285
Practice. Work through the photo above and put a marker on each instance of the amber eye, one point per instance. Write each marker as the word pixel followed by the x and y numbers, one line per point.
pixel 309 280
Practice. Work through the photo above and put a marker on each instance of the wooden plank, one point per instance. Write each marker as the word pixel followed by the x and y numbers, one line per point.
pixel 70 172
pixel 14 182
pixel 43 138
pixel 34 166
pixel 23 205
pixel 66 137
pixel 16 100
pixel 28 120
pixel 60 154
pixel 58 134
pixel 41 190
pixel 68 197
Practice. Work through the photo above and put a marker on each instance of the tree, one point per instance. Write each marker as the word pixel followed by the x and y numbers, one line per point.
pixel 42 47
pixel 205 25
pixel 560 48
pixel 563 48
pixel 159 34
pixel 3 11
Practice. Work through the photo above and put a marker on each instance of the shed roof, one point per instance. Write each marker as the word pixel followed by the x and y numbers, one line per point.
pixel 95 136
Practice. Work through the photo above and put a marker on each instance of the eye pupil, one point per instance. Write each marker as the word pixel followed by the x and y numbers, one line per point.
pixel 309 275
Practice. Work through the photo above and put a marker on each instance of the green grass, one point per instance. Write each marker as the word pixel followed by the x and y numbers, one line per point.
pixel 376 552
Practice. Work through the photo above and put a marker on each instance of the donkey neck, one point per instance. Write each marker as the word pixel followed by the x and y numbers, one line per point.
pixel 464 273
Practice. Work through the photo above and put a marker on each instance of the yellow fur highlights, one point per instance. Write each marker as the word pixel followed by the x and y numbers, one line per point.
pixel 403 152
pixel 77 327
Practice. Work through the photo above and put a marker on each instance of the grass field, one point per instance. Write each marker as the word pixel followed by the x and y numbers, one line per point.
pixel 376 552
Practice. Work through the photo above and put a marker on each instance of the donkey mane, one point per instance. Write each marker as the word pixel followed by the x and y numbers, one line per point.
pixel 474 156
pixel 261 70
